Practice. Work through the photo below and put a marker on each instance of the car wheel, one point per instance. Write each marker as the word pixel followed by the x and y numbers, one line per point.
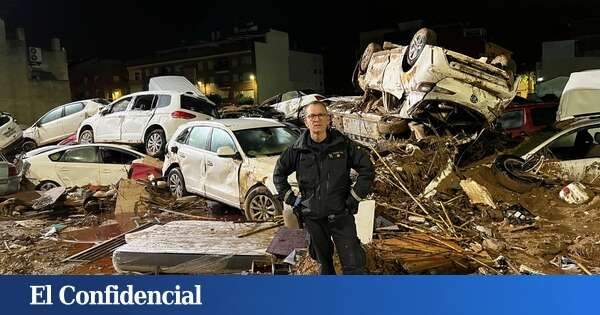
pixel 176 183
pixel 260 205
pixel 46 185
pixel 366 56
pixel 28 145
pixel 509 171
pixel 155 143
pixel 86 136
pixel 421 38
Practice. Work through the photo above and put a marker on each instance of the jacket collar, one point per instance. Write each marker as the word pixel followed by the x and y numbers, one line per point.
pixel 336 137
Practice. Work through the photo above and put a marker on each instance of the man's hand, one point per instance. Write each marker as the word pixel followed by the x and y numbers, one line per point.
pixel 290 198
pixel 352 205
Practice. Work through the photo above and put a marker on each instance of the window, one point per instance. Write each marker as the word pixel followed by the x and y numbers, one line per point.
pixel 265 141
pixel 210 64
pixel 247 60
pixel 52 115
pixel 220 138
pixel 137 76
pixel 163 101
pixel 73 108
pixel 120 105
pixel 289 95
pixel 81 155
pixel 582 143
pixel 201 66
pixel 511 120
pixel 197 105
pixel 183 135
pixel 143 102
pixel 147 72
pixel 115 156
pixel 543 116
pixel 199 138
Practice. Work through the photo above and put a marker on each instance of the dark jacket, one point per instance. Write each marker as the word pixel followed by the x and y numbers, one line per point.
pixel 324 176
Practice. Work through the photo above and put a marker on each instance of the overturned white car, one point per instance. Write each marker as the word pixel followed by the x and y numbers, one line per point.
pixel 424 83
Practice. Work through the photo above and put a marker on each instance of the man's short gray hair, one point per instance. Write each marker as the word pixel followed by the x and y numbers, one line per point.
pixel 305 107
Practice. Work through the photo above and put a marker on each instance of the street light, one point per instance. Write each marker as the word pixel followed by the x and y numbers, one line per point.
pixel 252 77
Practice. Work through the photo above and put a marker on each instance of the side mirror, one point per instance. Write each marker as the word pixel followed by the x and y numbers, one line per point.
pixel 38 123
pixel 174 149
pixel 225 152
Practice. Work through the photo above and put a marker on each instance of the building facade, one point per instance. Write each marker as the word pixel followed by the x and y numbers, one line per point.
pixel 32 79
pixel 253 65
pixel 99 78
pixel 561 58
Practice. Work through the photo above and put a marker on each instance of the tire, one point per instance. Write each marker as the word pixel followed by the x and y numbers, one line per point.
pixel 86 136
pixel 366 56
pixel 176 183
pixel 508 171
pixel 155 143
pixel 421 38
pixel 260 205
pixel 28 145
pixel 46 185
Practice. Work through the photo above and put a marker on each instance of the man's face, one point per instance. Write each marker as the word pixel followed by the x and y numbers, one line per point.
pixel 317 118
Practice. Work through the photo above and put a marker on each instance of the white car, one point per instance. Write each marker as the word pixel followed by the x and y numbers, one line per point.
pixel 79 165
pixel 230 161
pixel 148 118
pixel 289 103
pixel 9 178
pixel 59 123
pixel 10 132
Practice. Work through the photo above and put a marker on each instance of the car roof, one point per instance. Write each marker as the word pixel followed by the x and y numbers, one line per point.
pixel 154 92
pixel 238 123
pixel 107 145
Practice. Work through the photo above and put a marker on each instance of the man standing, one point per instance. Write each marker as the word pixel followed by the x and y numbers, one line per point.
pixel 322 159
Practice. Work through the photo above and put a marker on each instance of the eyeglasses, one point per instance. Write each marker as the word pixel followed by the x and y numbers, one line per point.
pixel 316 116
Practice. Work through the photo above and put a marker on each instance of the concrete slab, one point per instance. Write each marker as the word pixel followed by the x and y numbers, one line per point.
pixel 194 247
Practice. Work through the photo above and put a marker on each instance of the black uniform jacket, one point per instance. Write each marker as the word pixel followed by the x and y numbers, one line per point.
pixel 323 172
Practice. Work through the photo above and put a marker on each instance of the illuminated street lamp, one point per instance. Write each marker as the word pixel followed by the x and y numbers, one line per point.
pixel 252 77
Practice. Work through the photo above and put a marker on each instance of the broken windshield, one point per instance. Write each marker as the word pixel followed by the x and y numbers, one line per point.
pixel 265 141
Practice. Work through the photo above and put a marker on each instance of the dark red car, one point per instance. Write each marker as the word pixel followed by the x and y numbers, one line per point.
pixel 525 117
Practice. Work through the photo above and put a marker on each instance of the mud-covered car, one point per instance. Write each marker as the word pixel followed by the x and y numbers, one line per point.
pixel 571 153
pixel 230 161
pixel 10 132
pixel 424 83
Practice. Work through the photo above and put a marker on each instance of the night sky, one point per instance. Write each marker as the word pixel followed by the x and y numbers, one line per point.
pixel 126 29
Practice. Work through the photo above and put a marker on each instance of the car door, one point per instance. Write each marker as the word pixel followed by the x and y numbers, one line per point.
pixel 137 117
pixel 575 156
pixel 222 173
pixel 108 126
pixel 74 115
pixel 115 164
pixel 192 157
pixel 79 166
pixel 49 128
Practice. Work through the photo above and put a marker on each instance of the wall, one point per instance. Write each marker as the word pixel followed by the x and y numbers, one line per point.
pixel 272 60
pixel 23 97
pixel 306 71
pixel 558 59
